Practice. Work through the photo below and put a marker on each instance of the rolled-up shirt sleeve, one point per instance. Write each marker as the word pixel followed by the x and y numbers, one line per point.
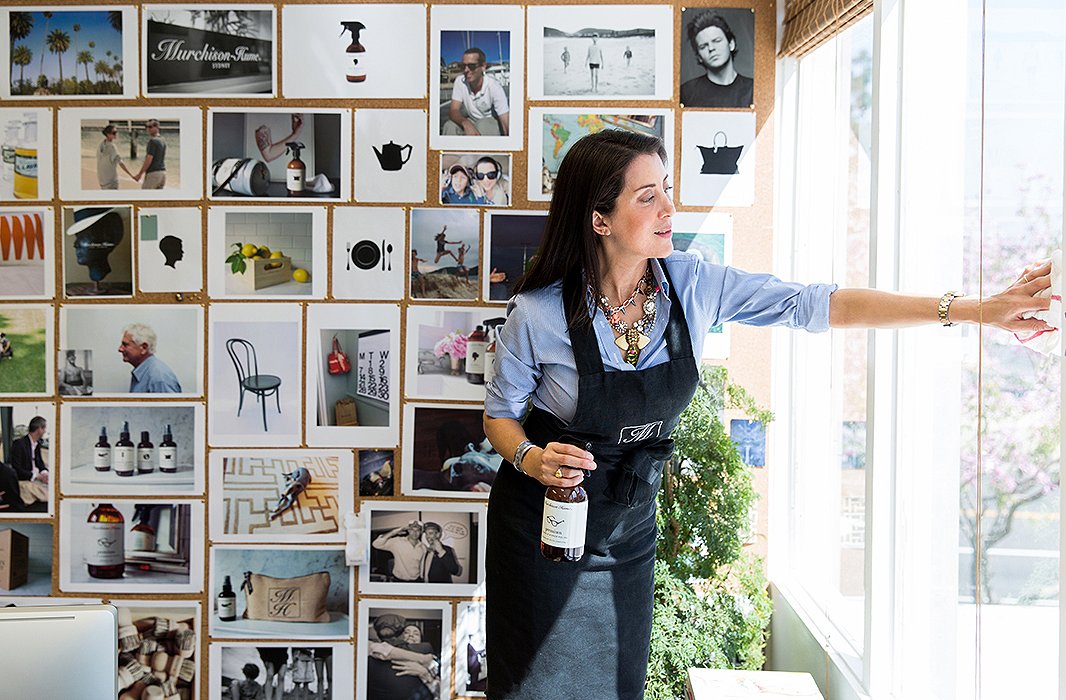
pixel 517 374
pixel 759 299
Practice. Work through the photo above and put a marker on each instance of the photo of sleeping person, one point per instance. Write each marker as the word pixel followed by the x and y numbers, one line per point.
pixel 446 453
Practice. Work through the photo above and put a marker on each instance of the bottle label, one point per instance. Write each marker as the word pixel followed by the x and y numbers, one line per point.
pixel 227 607
pixel 144 459
pixel 475 356
pixel 26 163
pixel 102 458
pixel 294 179
pixel 105 545
pixel 124 460
pixel 564 524
pixel 142 541
pixel 490 364
pixel 8 153
pixel 168 458
pixel 355 66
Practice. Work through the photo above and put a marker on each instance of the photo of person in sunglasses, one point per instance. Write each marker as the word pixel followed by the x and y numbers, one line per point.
pixel 473 179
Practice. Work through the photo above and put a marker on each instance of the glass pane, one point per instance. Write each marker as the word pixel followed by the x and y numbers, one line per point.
pixel 1009 496
pixel 857 58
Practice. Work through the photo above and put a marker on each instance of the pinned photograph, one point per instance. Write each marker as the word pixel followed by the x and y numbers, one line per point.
pixel 280 495
pixel 256 385
pixel 169 245
pixel 279 154
pixel 354 50
pixel 471 668
pixel 98 251
pixel 258 254
pixel 390 155
pixel 718 159
pixel 512 239
pixel 475 179
pixel 368 252
pixel 27 363
pixel 717 57
pixel 353 369
pixel 25 560
pixel 405 649
pixel 27 165
pixel 280 671
pixel 554 130
pixel 601 52
pixel 128 153
pixel 27 262
pixel 281 592
pixel 164 634
pixel 125 546
pixel 479 85
pixel 446 453
pixel 438 549
pixel 376 469
pixel 134 351
pixel 445 254
pixel 710 236
pixel 448 352
pixel 70 53
pixel 26 484
pixel 208 50
pixel 133 449
pixel 74 375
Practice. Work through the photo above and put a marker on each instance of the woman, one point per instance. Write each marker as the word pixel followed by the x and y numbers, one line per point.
pixel 604 336
pixel 108 161
pixel 458 191
pixel 489 183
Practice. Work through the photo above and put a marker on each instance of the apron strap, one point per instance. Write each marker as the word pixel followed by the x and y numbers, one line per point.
pixel 587 349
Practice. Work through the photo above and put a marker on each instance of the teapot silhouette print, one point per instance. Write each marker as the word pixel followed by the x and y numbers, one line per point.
pixel 391 155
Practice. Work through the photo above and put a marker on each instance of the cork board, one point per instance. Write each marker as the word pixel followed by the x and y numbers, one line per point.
pixel 294 325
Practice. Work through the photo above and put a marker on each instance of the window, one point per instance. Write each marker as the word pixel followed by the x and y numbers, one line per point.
pixel 924 151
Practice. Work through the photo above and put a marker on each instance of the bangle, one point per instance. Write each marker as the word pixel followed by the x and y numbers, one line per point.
pixel 944 306
pixel 520 453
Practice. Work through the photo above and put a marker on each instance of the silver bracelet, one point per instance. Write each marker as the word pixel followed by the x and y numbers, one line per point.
pixel 520 454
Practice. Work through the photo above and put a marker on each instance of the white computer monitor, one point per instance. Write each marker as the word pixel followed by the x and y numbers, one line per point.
pixel 59 651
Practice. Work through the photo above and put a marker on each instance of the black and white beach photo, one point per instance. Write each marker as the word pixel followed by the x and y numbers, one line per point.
pixel 602 52
pixel 208 50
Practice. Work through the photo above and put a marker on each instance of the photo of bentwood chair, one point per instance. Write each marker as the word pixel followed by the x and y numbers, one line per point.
pixel 248 377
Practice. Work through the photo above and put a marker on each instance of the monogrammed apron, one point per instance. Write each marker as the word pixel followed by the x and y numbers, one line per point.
pixel 582 630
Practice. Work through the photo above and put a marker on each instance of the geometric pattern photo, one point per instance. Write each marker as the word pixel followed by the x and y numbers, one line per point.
pixel 253 487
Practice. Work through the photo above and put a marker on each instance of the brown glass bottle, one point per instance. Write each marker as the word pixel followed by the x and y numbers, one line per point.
pixel 355 54
pixel 105 547
pixel 168 453
pixel 145 454
pixel 562 532
pixel 102 452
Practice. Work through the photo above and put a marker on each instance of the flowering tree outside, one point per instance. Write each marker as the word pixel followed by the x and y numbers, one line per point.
pixel 1014 409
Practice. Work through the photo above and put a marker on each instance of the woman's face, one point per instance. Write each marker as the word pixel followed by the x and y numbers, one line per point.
pixel 459 181
pixel 486 170
pixel 412 635
pixel 640 225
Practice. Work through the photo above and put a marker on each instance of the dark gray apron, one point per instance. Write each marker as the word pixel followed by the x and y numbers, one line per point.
pixel 582 630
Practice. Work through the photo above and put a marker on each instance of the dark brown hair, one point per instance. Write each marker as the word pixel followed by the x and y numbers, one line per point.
pixel 590 179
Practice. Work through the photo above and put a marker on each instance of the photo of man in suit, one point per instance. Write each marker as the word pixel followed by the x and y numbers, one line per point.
pixel 24 478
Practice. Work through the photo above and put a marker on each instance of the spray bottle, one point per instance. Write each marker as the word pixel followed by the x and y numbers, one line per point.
pixel 354 55
pixel 295 170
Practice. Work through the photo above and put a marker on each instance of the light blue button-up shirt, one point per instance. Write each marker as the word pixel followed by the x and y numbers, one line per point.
pixel 152 376
pixel 534 358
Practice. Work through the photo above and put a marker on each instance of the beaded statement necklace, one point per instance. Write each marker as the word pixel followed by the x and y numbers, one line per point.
pixel 633 338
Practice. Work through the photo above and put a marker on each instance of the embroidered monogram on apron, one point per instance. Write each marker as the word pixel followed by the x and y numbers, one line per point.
pixel 582 630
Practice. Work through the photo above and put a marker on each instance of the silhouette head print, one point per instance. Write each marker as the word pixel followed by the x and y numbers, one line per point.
pixel 96 231
pixel 170 247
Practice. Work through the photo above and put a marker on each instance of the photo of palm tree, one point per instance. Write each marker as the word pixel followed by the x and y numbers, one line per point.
pixel 52 53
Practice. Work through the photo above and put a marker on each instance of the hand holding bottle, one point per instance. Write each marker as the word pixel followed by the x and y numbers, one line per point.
pixel 569 461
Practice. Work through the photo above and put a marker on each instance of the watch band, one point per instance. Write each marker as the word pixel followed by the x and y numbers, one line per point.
pixel 944 307
pixel 520 454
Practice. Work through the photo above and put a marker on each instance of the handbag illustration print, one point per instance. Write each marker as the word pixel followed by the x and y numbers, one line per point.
pixel 299 599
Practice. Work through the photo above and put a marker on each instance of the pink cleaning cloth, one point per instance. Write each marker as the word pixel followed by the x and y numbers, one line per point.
pixel 1048 341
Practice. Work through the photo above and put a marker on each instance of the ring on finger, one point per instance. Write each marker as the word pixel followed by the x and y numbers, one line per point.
pixel 1025 278
pixel 559 473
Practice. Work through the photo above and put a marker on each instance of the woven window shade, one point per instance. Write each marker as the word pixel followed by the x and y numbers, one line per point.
pixel 810 23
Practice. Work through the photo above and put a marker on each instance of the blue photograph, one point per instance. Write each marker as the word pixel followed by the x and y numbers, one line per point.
pixel 66 53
